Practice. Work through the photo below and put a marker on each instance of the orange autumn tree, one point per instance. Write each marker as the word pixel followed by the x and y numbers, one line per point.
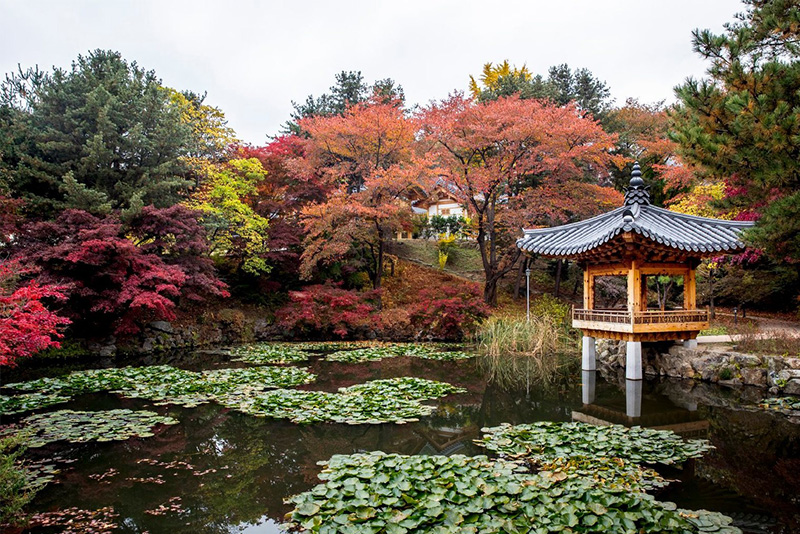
pixel 493 152
pixel 367 156
pixel 643 131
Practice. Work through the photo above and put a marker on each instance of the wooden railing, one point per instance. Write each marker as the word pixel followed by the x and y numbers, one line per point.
pixel 670 316
pixel 641 317
pixel 601 316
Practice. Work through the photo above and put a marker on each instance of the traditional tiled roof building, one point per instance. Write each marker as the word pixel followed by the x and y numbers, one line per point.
pixel 637 240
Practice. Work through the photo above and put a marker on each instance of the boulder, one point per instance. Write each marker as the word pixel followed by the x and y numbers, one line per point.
pixel 162 326
pixel 792 387
pixel 754 376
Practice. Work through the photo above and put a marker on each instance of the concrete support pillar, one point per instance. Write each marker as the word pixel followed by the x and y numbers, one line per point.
pixel 588 383
pixel 589 360
pixel 633 398
pixel 633 360
pixel 690 343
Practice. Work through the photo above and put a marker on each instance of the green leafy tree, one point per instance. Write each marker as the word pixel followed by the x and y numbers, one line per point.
pixel 236 232
pixel 104 134
pixel 562 85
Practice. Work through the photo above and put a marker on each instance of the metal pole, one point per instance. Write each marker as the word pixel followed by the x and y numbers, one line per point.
pixel 528 292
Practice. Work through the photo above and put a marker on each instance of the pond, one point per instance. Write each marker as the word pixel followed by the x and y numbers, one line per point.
pixel 219 470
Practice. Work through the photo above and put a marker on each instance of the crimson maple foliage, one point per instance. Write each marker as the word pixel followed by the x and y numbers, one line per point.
pixel 26 325
pixel 109 281
pixel 176 236
pixel 449 312
pixel 325 309
pixel 287 188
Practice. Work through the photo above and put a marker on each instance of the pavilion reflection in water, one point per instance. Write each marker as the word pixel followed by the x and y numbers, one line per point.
pixel 607 406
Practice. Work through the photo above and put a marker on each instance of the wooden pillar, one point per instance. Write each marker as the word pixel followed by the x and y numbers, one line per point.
pixel 690 290
pixel 588 290
pixel 634 287
pixel 643 293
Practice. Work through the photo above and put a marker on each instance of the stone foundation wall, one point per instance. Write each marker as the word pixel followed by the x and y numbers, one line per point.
pixel 709 364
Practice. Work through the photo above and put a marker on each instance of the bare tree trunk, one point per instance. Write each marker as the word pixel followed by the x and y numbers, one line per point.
pixel 490 291
pixel 378 266
pixel 578 280
pixel 711 310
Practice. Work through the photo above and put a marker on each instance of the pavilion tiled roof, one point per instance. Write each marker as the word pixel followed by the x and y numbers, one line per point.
pixel 695 235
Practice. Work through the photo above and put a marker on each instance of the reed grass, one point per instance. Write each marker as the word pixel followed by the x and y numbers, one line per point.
pixel 517 351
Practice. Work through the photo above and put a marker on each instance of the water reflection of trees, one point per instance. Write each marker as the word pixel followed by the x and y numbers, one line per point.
pixel 258 462
pixel 752 474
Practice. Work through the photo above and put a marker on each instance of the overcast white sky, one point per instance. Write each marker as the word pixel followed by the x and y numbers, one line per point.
pixel 254 57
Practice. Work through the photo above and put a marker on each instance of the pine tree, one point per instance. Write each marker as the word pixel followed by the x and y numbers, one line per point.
pixel 742 123
pixel 102 135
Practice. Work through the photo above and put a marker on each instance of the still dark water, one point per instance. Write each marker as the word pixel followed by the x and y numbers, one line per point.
pixel 232 471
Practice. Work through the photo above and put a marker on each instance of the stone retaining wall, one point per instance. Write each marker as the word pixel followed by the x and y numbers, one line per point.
pixel 710 364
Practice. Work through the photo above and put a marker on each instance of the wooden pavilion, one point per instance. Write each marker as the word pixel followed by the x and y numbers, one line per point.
pixel 636 241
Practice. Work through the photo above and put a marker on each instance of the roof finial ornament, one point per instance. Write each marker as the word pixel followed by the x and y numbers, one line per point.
pixel 636 175
pixel 636 192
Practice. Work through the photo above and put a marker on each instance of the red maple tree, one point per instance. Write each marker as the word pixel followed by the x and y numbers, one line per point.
pixel 26 325
pixel 367 155
pixel 109 282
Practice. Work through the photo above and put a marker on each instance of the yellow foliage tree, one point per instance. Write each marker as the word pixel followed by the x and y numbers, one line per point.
pixel 236 232
pixel 699 201
pixel 493 73
pixel 210 134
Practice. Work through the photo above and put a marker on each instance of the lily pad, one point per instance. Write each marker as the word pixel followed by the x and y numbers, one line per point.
pixel 29 402
pixel 784 404
pixel 544 441
pixel 376 353
pixel 81 427
pixel 378 492
pixel 269 353
pixel 394 400
pixel 408 388
pixel 169 385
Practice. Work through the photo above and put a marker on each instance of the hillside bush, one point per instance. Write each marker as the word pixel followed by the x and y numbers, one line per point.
pixel 548 306
pixel 324 310
pixel 452 311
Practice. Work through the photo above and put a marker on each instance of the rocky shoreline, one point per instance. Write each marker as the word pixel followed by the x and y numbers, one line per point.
pixel 708 363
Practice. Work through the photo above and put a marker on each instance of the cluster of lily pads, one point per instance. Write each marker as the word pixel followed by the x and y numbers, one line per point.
pixel 393 400
pixel 343 351
pixel 791 404
pixel 161 383
pixel 259 391
pixel 546 441
pixel 81 427
pixel 376 353
pixel 392 493
pixel 270 353
pixel 29 401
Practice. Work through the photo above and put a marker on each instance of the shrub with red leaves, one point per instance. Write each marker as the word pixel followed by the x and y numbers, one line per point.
pixel 109 281
pixel 449 312
pixel 26 325
pixel 322 310
pixel 176 236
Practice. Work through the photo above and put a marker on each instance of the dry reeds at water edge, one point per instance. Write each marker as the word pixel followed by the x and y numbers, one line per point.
pixel 517 350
